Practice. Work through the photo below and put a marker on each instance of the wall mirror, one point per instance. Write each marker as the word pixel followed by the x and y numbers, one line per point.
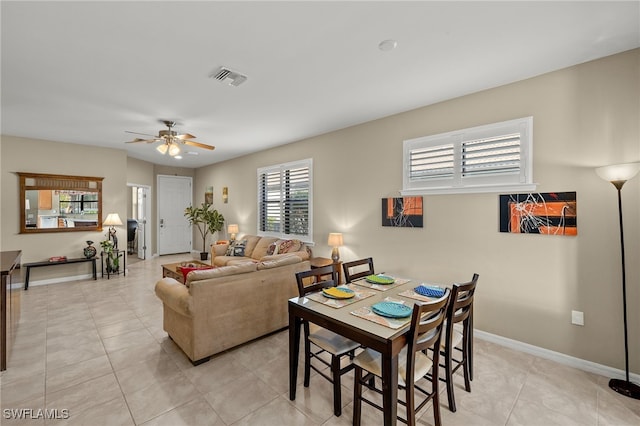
pixel 59 203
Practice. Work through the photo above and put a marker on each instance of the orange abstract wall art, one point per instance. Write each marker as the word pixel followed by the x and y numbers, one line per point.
pixel 551 213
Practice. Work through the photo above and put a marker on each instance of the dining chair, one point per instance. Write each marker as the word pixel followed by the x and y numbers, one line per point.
pixel 427 322
pixel 354 270
pixel 325 341
pixel 460 310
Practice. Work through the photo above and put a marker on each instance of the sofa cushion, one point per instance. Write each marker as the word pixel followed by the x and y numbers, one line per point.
pixel 237 248
pixel 278 261
pixel 223 271
pixel 252 241
pixel 262 247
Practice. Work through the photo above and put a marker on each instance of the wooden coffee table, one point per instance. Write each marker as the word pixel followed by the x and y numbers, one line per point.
pixel 171 269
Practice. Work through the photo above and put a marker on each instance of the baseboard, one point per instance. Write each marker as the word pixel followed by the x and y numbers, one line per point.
pixel 558 357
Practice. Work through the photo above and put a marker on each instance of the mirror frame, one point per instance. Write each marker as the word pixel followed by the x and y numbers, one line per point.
pixel 40 181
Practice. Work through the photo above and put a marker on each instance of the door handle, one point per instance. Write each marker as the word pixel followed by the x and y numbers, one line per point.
pixel 161 223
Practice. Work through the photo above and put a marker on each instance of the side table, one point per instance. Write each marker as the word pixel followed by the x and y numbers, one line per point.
pixel 122 266
pixel 319 262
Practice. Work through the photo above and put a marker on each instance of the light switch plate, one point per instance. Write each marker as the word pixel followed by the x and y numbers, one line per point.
pixel 577 317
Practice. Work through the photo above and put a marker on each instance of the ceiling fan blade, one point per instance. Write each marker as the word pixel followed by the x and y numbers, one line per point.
pixel 143 134
pixel 184 136
pixel 199 145
pixel 136 140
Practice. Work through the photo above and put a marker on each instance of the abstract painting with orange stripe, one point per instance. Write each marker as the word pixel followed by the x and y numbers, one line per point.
pixel 549 213
pixel 402 212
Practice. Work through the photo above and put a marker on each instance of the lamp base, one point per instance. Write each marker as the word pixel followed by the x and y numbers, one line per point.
pixel 625 388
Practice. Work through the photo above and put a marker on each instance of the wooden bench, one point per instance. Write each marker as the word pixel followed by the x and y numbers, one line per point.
pixel 62 262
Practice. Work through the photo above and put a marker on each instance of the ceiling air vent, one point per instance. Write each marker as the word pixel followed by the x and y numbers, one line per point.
pixel 225 75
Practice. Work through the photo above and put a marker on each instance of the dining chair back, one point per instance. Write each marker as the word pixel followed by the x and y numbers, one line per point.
pixel 358 269
pixel 460 341
pixel 323 340
pixel 427 322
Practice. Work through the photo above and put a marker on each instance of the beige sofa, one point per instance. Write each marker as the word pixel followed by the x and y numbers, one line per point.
pixel 257 249
pixel 217 309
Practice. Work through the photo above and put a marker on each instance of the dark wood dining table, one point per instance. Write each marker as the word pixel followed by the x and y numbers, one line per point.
pixel 381 338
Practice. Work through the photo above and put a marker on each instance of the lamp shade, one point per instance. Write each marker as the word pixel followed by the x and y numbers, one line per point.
pixel 174 149
pixel 233 228
pixel 162 148
pixel 112 220
pixel 618 172
pixel 335 239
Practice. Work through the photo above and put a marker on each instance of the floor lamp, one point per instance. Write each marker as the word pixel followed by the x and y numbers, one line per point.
pixel 618 174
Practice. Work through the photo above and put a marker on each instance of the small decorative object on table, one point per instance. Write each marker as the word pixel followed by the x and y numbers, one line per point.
pixel 58 259
pixel 90 251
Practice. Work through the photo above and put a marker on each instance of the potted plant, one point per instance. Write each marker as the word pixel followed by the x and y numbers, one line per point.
pixel 207 220
pixel 113 262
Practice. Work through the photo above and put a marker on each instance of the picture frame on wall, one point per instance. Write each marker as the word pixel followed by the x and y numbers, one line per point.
pixel 208 195
pixel 548 213
pixel 402 212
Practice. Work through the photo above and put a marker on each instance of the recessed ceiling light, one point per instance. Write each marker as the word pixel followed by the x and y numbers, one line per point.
pixel 387 45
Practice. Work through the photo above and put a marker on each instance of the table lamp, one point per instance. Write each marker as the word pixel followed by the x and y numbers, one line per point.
pixel 618 174
pixel 113 220
pixel 233 230
pixel 335 241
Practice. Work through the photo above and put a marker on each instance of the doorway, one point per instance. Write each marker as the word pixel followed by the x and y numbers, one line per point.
pixel 174 230
pixel 138 221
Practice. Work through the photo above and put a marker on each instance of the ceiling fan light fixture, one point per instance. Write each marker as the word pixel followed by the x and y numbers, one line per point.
pixel 174 149
pixel 162 148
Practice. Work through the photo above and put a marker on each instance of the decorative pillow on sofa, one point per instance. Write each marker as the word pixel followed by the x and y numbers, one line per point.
pixel 236 248
pixel 288 246
pixel 272 249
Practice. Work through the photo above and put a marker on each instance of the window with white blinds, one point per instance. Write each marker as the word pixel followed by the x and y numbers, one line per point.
pixel 491 158
pixel 284 200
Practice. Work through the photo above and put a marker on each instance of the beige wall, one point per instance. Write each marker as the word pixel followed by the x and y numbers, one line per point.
pixel 584 116
pixel 39 156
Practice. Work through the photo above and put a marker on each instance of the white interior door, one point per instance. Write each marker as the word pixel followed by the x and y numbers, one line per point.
pixel 174 230
pixel 144 207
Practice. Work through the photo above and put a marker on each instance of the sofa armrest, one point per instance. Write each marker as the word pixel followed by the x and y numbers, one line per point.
pixel 218 250
pixel 175 295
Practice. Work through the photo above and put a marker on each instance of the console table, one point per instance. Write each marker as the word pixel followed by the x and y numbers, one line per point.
pixel 61 262
pixel 10 261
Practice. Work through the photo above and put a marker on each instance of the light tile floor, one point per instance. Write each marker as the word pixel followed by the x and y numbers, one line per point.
pixel 97 350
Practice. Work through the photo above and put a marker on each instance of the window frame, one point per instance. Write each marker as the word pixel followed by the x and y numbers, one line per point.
pixel 282 169
pixel 460 140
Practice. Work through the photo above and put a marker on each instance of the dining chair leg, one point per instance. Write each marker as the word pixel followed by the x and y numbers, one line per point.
pixel 465 361
pixel 410 404
pixel 436 393
pixel 357 392
pixel 337 394
pixel 448 364
pixel 470 346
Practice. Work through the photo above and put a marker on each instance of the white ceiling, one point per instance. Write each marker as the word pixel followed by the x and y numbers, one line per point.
pixel 85 72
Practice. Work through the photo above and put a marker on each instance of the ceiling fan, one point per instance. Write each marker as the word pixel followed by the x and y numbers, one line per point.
pixel 170 139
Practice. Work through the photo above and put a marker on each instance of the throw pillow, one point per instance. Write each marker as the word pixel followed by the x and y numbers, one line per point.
pixel 289 246
pixel 272 249
pixel 237 248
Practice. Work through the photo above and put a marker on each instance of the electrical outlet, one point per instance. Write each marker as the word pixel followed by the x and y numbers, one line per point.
pixel 577 317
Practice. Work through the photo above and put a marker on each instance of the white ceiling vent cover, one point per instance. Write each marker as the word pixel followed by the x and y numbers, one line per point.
pixel 228 76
